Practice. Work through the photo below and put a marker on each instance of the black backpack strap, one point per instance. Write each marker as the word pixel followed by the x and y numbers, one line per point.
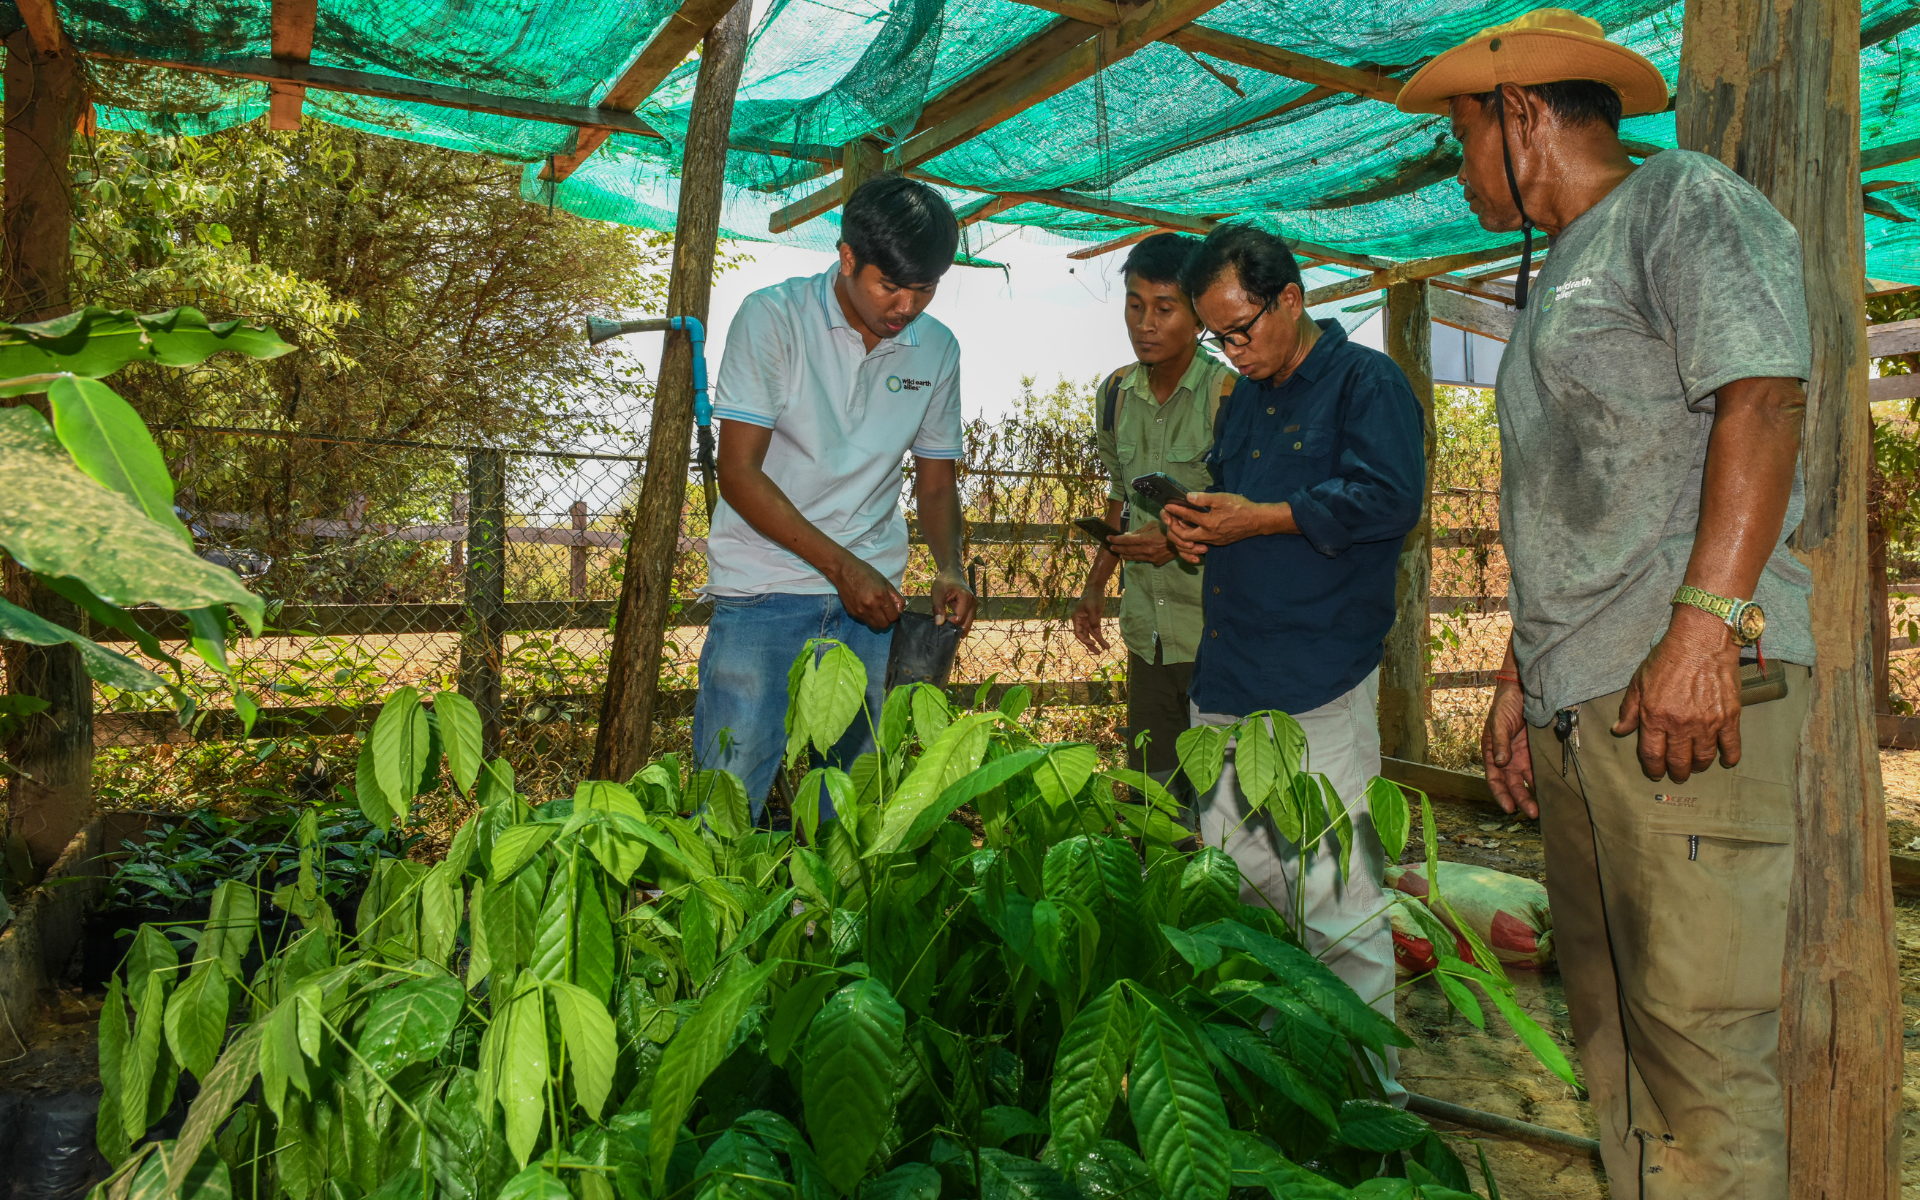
pixel 1110 401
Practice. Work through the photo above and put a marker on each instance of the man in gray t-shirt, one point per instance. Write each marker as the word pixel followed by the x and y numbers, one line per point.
pixel 1650 403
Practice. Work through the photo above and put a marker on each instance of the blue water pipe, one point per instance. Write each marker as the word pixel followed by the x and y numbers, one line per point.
pixel 599 330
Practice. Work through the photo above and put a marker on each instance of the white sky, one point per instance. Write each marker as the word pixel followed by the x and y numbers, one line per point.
pixel 1047 316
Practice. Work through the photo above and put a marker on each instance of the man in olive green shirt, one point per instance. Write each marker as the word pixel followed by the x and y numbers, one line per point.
pixel 1154 415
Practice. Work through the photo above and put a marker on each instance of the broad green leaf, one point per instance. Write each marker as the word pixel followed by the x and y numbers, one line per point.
pixel 142 1065
pixel 814 877
pixel 460 734
pixel 113 1045
pixel 233 918
pixel 1311 980
pixel 220 1089
pixel 1201 954
pixel 535 1183
pixel 1209 888
pixel 511 911
pixel 795 1011
pixel 409 1023
pixel 1379 1128
pixel 1177 1111
pixel 204 1179
pixel 895 714
pixel 810 801
pixel 515 846
pixel 400 741
pixel 440 898
pixel 248 710
pixel 699 935
pixel 952 755
pixel 56 521
pixel 898 832
pixel 693 1054
pixel 196 1019
pixel 152 953
pixel 1112 1171
pixel 1256 1054
pixel 931 712
pixel 1088 1069
pixel 1065 771
pixel 915 1181
pixel 832 695
pixel 103 665
pixel 373 801
pixel 1203 754
pixel 1461 998
pixel 1016 701
pixel 721 799
pixel 520 1071
pixel 1531 1035
pixel 1157 795
pixel 592 1051
pixel 1289 743
pixel 1391 818
pixel 1006 1176
pixel 854 1049
pixel 110 443
pixel 96 342
pixel 1255 762
pixel 594 953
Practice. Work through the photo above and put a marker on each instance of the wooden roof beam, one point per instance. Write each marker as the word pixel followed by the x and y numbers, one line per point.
pixel 1200 39
pixel 43 26
pixel 1873 158
pixel 410 91
pixel 293 22
pixel 1425 268
pixel 1119 243
pixel 668 49
pixel 1138 28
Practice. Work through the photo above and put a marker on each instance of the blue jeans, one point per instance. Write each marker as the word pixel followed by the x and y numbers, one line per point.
pixel 751 644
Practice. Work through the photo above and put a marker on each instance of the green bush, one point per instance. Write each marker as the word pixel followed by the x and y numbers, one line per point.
pixel 633 993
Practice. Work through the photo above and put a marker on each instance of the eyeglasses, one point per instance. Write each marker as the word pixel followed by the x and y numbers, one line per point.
pixel 1238 336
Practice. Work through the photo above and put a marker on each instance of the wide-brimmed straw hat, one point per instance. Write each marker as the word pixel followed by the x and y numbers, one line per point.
pixel 1547 45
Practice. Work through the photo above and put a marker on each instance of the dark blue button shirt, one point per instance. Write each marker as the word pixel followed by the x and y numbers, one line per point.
pixel 1296 620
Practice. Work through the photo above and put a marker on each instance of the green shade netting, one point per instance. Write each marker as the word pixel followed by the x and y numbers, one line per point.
pixel 1158 128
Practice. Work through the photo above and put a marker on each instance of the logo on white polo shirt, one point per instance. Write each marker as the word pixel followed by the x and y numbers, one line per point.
pixel 897 384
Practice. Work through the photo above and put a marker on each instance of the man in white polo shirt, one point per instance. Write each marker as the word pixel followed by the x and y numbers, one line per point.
pixel 827 383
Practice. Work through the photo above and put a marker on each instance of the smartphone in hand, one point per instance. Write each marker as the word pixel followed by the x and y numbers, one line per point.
pixel 1162 488
pixel 1095 528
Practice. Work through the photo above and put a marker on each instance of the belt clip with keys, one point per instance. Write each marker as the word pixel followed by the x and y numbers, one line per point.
pixel 1566 727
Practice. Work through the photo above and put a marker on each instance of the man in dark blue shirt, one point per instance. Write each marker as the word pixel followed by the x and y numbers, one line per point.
pixel 1320 471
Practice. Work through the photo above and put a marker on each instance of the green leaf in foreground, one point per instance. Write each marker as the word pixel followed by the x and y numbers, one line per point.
pixel 693 1054
pixel 1088 1068
pixel 1006 1176
pixel 853 1048
pixel 110 442
pixel 1177 1110
pixel 409 1023
pixel 103 665
pixel 57 521
pixel 96 342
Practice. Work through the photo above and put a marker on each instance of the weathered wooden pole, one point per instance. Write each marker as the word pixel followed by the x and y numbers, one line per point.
pixel 640 628
pixel 1772 88
pixel 52 795
pixel 1404 669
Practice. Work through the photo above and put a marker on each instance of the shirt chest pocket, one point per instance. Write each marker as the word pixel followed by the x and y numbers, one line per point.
pixel 1295 456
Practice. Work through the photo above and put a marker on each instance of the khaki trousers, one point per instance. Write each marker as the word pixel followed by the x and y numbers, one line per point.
pixel 1670 917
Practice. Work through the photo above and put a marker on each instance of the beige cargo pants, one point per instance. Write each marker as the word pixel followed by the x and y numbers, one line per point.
pixel 1670 918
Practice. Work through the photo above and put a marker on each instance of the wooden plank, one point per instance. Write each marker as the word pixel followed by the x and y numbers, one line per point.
pixel 1884 209
pixel 1873 158
pixel 1772 89
pixel 292 42
pixel 1457 787
pixel 625 735
pixel 1424 268
pixel 377 620
pixel 1119 243
pixel 1403 667
pixel 1033 53
pixel 1199 39
pixel 410 91
pixel 42 20
pixel 668 49
pixel 1895 337
pixel 991 207
pixel 1463 312
pixel 1893 387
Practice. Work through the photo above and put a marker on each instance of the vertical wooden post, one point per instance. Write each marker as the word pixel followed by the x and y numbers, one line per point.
pixel 640 626
pixel 1772 88
pixel 860 161
pixel 577 554
pixel 52 795
pixel 481 640
pixel 1404 669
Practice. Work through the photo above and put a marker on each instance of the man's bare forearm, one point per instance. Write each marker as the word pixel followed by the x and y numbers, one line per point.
pixel 1105 561
pixel 1746 484
pixel 936 497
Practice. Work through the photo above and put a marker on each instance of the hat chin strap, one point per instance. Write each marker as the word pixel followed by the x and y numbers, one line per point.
pixel 1526 222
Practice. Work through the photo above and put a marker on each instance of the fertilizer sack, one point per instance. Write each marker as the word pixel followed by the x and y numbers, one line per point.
pixel 1508 914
